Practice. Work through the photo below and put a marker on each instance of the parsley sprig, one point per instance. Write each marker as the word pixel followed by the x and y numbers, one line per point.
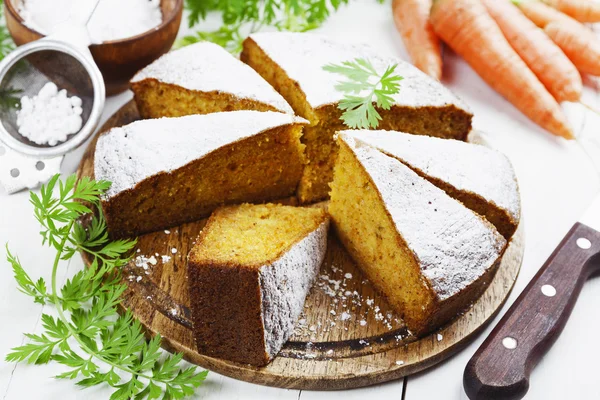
pixel 89 337
pixel 243 17
pixel 363 88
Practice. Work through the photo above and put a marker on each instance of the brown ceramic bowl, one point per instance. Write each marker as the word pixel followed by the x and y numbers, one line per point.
pixel 118 60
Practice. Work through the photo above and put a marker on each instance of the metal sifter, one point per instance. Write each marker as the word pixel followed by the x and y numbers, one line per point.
pixel 62 58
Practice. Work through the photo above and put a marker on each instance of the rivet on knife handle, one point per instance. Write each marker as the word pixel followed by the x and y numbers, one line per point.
pixel 501 367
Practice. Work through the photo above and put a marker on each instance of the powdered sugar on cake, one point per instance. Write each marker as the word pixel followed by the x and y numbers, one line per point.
pixel 285 283
pixel 444 246
pixel 303 55
pixel 465 166
pixel 126 156
pixel 208 67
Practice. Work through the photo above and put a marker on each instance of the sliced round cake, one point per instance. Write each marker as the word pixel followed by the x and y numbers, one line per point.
pixel 429 255
pixel 202 78
pixel 293 63
pixel 169 171
pixel 248 277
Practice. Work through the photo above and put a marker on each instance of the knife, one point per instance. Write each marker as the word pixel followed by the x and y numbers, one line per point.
pixel 501 367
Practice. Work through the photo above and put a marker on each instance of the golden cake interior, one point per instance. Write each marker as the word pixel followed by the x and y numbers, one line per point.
pixel 157 99
pixel 263 167
pixel 445 122
pixel 251 235
pixel 368 233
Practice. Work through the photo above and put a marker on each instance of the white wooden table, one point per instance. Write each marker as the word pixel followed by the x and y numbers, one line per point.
pixel 557 183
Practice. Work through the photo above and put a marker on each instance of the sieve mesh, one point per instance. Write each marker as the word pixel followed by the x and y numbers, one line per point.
pixel 29 74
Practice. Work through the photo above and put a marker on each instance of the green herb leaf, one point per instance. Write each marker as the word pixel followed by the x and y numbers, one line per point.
pixel 89 332
pixel 363 88
pixel 243 17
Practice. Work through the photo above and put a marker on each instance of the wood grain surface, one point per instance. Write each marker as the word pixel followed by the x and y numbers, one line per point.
pixel 347 337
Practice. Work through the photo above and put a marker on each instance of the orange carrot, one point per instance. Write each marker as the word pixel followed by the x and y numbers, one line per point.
pixel 581 10
pixel 539 52
pixel 471 32
pixel 540 13
pixel 583 50
pixel 578 42
pixel 422 44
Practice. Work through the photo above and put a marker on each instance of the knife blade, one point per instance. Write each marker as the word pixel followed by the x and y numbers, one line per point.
pixel 501 367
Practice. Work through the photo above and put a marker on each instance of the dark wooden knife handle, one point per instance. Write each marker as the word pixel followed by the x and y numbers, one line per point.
pixel 501 367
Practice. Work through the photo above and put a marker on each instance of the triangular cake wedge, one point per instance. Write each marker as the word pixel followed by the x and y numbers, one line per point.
pixel 428 254
pixel 199 79
pixel 169 171
pixel 248 276
pixel 293 63
pixel 481 178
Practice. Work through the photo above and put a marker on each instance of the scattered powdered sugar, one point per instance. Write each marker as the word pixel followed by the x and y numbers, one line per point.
pixel 465 166
pixel 350 305
pixel 443 246
pixel 399 362
pixel 112 19
pixel 167 231
pixel 126 156
pixel 303 55
pixel 439 337
pixel 203 66
pixel 174 250
pixel 50 116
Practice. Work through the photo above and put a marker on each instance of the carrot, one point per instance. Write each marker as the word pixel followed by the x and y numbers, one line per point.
pixel 471 32
pixel 583 50
pixel 581 10
pixel 540 13
pixel 539 52
pixel 578 42
pixel 423 46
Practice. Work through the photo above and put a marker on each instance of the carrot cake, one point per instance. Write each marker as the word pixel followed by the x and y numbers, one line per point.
pixel 293 64
pixel 169 171
pixel 200 79
pixel 427 253
pixel 481 178
pixel 249 275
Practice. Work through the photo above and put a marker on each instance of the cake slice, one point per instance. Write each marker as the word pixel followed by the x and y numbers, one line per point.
pixel 427 253
pixel 293 64
pixel 481 178
pixel 199 79
pixel 169 171
pixel 249 274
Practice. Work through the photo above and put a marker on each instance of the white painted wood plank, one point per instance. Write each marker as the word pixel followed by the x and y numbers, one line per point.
pixel 389 390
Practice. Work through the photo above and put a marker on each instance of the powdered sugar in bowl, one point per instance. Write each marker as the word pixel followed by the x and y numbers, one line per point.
pixel 118 60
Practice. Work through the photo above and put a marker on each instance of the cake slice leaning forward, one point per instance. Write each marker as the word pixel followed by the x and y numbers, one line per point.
pixel 199 79
pixel 169 171
pixel 249 275
pixel 428 254
pixel 481 178
pixel 293 63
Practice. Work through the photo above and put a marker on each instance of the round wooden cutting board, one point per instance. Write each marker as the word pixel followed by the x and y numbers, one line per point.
pixel 347 337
